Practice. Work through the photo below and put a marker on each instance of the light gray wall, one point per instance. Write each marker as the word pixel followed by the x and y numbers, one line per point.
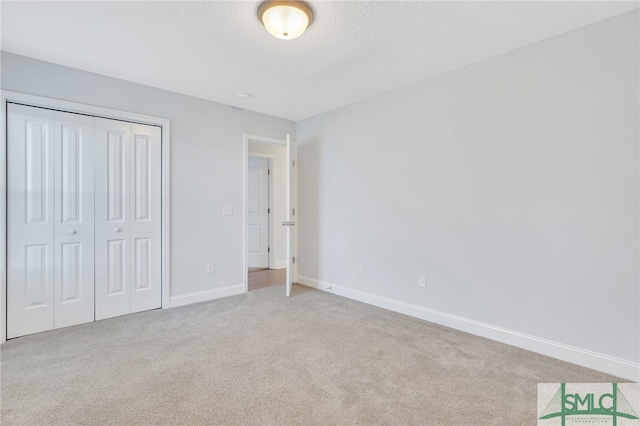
pixel 206 161
pixel 512 184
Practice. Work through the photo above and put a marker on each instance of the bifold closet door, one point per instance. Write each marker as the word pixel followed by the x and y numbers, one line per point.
pixel 49 221
pixel 128 222
pixel 74 220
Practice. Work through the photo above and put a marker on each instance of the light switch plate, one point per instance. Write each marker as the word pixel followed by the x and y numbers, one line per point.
pixel 227 209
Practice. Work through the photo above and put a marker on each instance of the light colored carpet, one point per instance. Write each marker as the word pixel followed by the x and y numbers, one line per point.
pixel 259 358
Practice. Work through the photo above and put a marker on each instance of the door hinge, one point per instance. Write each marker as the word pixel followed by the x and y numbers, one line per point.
pixel 294 163
pixel 294 260
pixel 268 211
pixel 294 212
pixel 268 171
pixel 268 249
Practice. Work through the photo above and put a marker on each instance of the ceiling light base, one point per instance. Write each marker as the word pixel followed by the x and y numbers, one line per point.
pixel 285 20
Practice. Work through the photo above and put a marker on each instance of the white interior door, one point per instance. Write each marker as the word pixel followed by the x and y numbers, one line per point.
pixel 146 221
pixel 258 212
pixel 74 221
pixel 30 230
pixel 128 218
pixel 113 261
pixel 50 221
pixel 289 223
pixel 128 222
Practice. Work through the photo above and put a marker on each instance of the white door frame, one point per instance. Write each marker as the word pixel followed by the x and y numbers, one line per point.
pixel 245 170
pixel 271 164
pixel 56 104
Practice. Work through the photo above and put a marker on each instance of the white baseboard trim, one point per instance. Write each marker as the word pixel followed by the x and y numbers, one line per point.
pixel 597 361
pixel 280 264
pixel 203 296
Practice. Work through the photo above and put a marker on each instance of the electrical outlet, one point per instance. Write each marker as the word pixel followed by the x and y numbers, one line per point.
pixel 211 268
pixel 422 281
pixel 359 269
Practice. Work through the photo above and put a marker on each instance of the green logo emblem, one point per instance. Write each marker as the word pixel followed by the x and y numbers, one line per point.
pixel 586 402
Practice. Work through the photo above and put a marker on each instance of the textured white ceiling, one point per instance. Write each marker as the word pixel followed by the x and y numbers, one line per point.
pixel 353 50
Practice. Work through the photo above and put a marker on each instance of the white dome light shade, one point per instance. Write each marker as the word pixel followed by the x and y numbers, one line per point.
pixel 285 19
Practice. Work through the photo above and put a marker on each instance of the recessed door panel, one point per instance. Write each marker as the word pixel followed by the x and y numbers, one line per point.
pixel 116 270
pixel 37 180
pixel 253 241
pixel 71 269
pixel 143 264
pixel 116 175
pixel 37 280
pixel 71 195
pixel 142 169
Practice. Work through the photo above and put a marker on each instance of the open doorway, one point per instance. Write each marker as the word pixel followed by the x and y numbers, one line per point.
pixel 260 211
pixel 265 210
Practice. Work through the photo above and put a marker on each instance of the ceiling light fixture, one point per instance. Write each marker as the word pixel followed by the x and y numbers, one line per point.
pixel 285 19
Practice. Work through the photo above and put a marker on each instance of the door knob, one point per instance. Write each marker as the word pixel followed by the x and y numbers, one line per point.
pixel 117 229
pixel 73 231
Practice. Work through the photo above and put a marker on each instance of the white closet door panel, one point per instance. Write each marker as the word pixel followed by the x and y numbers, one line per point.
pixel 146 221
pixel 112 220
pixel 30 232
pixel 74 219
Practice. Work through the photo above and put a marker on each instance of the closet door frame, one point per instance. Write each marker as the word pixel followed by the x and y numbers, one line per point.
pixel 73 107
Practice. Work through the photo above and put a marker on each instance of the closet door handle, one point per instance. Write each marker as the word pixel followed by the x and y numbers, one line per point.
pixel 73 231
pixel 117 229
